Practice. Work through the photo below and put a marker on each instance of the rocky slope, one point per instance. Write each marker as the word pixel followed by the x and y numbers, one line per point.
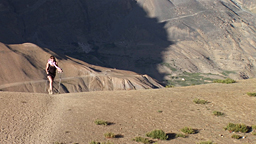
pixel 162 38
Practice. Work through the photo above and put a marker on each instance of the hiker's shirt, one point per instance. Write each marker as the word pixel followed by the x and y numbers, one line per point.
pixel 51 70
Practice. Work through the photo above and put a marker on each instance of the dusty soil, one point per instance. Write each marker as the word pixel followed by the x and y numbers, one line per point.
pixel 69 118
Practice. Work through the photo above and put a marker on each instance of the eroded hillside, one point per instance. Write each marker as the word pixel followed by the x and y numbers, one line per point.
pixel 23 70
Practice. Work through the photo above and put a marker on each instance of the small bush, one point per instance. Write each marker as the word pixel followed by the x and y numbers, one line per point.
pixel 199 101
pixel 226 81
pixel 141 139
pixel 157 134
pixel 188 130
pixel 217 113
pixel 169 86
pixel 94 142
pixel 251 94
pixel 206 142
pixel 180 135
pixel 101 122
pixel 237 128
pixel 109 135
pixel 254 129
pixel 236 136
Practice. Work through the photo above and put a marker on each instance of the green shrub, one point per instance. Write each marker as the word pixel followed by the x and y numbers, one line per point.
pixel 141 139
pixel 101 122
pixel 180 135
pixel 109 135
pixel 94 142
pixel 206 142
pixel 254 127
pixel 237 128
pixel 217 113
pixel 188 79
pixel 236 136
pixel 199 101
pixel 226 81
pixel 157 134
pixel 169 86
pixel 251 94
pixel 188 130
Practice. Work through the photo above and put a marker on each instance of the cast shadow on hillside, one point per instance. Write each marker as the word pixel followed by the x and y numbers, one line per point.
pixel 135 42
pixel 119 34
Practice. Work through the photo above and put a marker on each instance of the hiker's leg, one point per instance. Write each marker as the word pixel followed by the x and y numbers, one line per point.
pixel 50 82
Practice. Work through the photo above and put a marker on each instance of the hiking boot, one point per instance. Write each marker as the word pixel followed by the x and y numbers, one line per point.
pixel 50 91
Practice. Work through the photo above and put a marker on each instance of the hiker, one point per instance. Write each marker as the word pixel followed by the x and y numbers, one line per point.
pixel 50 69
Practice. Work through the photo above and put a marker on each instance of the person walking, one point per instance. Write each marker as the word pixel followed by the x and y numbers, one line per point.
pixel 50 69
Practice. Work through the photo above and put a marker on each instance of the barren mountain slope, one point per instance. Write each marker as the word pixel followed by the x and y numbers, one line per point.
pixel 246 4
pixel 23 69
pixel 209 36
pixel 69 118
pixel 161 38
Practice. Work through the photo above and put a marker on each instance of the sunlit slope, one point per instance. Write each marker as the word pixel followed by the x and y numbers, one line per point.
pixel 23 69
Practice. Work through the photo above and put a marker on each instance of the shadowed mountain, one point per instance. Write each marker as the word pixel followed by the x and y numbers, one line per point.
pixel 162 38
pixel 115 34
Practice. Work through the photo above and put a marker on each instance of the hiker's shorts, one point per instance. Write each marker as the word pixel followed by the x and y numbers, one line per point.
pixel 52 75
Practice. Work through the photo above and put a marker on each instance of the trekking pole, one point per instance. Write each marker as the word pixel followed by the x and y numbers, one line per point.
pixel 45 85
pixel 59 82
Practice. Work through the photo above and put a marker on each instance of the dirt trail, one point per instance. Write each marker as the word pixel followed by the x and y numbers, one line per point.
pixel 69 118
pixel 21 114
pixel 50 124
